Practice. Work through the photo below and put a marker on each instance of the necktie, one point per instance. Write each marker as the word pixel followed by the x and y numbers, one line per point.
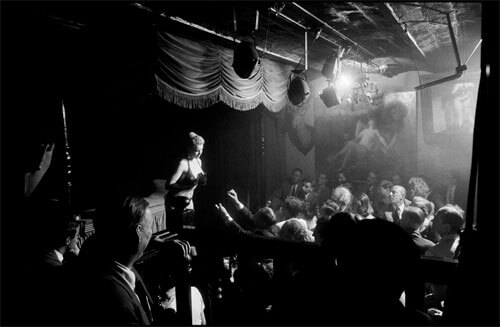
pixel 294 190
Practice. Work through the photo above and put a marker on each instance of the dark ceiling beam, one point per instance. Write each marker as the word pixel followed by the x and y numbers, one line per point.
pixel 405 30
pixel 340 35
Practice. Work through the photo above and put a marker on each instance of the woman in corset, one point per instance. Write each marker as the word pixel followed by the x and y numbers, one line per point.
pixel 180 188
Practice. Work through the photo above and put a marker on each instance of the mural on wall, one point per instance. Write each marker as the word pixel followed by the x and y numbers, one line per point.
pixel 299 122
pixel 358 136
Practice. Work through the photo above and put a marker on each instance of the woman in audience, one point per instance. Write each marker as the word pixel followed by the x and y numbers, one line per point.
pixel 417 187
pixel 180 188
pixel 362 206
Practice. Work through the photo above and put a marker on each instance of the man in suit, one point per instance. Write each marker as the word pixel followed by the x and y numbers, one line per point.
pixel 290 187
pixel 398 204
pixel 412 221
pixel 116 294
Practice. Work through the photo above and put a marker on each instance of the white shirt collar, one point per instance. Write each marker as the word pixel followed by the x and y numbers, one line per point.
pixel 127 274
pixel 59 255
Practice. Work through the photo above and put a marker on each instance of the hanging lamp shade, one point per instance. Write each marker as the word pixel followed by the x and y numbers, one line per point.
pixel 298 90
pixel 245 58
pixel 329 66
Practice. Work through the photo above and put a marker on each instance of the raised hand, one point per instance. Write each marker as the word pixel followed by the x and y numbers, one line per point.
pixel 233 195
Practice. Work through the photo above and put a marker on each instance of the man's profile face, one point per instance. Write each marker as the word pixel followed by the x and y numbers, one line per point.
pixel 146 231
pixel 396 196
pixel 307 188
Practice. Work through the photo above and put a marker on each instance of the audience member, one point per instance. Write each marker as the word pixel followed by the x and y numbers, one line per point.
pixel 324 192
pixel 417 187
pixel 412 221
pixel 295 229
pixel 325 213
pixel 428 208
pixel 290 187
pixel 396 179
pixel 448 222
pixel 362 207
pixel 382 200
pixel 262 223
pixel 114 292
pixel 399 202
pixel 343 197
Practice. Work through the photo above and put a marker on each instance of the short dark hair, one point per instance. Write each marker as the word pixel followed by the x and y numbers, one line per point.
pixel 415 217
pixel 295 206
pixel 264 218
pixel 451 215
pixel 299 170
pixel 121 214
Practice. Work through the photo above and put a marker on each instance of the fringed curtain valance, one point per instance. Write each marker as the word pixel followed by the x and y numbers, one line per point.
pixel 200 74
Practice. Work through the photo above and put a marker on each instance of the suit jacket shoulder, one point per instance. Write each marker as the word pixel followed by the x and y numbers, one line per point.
pixel 116 302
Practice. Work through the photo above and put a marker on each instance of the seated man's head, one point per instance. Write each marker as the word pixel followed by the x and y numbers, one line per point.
pixel 63 230
pixel 424 204
pixel 397 195
pixel 343 197
pixel 384 191
pixel 296 175
pixel 307 185
pixel 396 179
pixel 294 207
pixel 418 187
pixel 128 222
pixel 322 179
pixel 264 218
pixel 412 219
pixel 295 230
pixel 448 220
pixel 371 178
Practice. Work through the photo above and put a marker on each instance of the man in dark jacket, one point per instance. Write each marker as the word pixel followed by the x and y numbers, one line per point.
pixel 116 294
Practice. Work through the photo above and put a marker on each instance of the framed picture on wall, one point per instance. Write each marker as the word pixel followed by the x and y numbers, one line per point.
pixel 448 111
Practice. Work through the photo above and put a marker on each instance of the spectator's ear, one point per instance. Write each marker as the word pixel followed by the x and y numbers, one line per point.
pixel 446 228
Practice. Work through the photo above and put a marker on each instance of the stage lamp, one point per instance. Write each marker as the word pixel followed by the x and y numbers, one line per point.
pixel 329 67
pixel 245 58
pixel 329 97
pixel 298 90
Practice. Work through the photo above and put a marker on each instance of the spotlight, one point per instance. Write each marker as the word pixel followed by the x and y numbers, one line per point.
pixel 329 97
pixel 329 66
pixel 298 91
pixel 245 58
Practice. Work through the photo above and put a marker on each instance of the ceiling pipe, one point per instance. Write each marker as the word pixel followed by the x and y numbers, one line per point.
pixel 206 30
pixel 459 71
pixel 405 30
pixel 342 36
pixel 279 14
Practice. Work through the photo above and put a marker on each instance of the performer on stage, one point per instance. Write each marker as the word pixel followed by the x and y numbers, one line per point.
pixel 180 188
